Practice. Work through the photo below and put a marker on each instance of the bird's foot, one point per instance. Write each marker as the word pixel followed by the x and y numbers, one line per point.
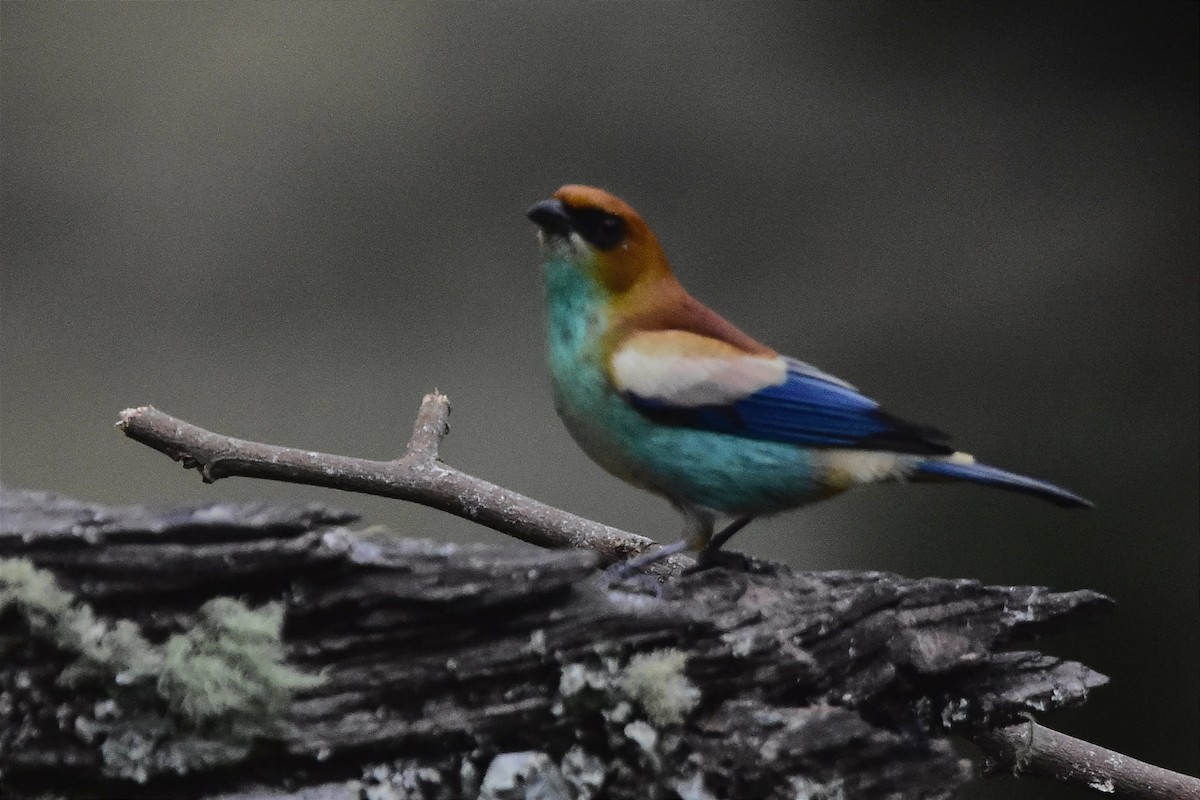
pixel 727 559
pixel 630 580
pixel 631 571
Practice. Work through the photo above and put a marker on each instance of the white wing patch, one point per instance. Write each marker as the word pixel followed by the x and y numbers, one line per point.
pixel 687 370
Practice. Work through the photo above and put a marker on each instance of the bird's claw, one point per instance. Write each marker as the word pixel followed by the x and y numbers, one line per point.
pixel 629 577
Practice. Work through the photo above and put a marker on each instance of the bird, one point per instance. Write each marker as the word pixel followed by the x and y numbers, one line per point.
pixel 664 393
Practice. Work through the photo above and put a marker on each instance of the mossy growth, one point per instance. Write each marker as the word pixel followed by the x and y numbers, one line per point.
pixel 197 698
pixel 229 666
pixel 656 682
pixel 51 612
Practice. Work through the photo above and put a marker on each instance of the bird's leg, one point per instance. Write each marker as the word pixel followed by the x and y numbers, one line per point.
pixel 712 555
pixel 697 527
pixel 627 569
pixel 726 533
pixel 697 533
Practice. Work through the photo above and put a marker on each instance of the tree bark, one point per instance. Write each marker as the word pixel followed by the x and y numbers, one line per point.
pixel 451 671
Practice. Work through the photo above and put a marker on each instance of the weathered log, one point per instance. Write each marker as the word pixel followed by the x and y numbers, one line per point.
pixel 268 650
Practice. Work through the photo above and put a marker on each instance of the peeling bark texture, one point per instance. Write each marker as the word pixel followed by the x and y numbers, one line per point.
pixel 484 671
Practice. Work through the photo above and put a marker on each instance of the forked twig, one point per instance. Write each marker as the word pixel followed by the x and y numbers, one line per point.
pixel 418 476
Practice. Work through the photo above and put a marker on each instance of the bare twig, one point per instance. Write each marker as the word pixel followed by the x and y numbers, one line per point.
pixel 418 476
pixel 1033 749
pixel 430 428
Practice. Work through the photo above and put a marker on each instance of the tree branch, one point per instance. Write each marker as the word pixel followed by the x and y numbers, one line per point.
pixel 1033 749
pixel 418 476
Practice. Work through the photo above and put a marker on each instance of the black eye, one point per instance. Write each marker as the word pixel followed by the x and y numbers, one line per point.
pixel 602 230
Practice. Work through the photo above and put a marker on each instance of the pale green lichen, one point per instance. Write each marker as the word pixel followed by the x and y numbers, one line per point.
pixel 52 613
pixel 230 665
pixel 225 677
pixel 656 682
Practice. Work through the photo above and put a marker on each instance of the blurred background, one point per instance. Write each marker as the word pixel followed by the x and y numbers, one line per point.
pixel 287 222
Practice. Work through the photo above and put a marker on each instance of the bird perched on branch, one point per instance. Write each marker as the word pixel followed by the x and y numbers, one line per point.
pixel 666 394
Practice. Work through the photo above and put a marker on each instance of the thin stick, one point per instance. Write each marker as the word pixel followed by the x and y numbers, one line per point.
pixel 430 428
pixel 1033 749
pixel 417 476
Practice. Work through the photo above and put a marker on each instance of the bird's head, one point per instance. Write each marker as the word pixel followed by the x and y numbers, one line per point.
pixel 601 236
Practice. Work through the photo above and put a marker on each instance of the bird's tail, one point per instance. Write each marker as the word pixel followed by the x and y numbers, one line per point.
pixel 960 469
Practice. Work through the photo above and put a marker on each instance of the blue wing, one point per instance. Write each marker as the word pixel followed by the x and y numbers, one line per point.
pixel 809 408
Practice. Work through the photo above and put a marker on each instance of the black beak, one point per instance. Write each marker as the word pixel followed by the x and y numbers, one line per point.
pixel 551 216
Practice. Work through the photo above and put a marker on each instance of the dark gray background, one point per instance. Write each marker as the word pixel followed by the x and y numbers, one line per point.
pixel 289 221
